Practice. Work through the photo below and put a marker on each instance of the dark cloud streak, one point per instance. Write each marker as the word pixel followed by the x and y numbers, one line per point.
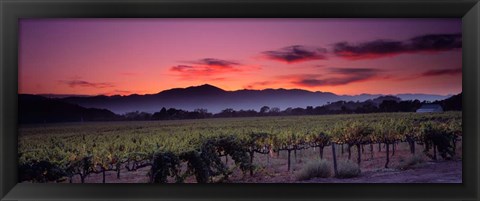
pixel 216 62
pixel 295 54
pixel 182 68
pixel 341 76
pixel 208 68
pixel 385 48
pixel 86 84
pixel 452 71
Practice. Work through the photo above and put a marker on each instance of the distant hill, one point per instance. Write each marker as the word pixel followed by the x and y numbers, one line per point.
pixel 215 99
pixel 39 109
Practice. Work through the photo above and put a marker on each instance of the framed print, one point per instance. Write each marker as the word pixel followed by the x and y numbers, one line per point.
pixel 239 100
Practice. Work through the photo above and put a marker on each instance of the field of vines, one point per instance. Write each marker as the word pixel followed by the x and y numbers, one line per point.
pixel 180 149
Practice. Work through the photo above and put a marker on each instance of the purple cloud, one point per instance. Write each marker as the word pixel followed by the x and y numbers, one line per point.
pixel 386 48
pixel 86 84
pixel 295 54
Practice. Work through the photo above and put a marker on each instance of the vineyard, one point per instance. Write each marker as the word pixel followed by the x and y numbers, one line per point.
pixel 176 150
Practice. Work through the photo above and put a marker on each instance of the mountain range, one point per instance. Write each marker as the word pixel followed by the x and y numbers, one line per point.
pixel 215 99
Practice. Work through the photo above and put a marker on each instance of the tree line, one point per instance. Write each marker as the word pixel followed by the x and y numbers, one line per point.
pixel 390 104
pixel 37 109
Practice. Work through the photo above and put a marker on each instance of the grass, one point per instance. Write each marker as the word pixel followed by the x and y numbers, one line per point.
pixel 348 169
pixel 313 169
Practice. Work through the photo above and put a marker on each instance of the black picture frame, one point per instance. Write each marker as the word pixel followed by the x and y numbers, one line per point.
pixel 11 11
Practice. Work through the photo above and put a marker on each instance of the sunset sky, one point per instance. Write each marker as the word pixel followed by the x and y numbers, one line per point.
pixel 145 56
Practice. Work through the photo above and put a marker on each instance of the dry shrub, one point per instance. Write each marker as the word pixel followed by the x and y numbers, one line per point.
pixel 348 169
pixel 317 168
pixel 410 162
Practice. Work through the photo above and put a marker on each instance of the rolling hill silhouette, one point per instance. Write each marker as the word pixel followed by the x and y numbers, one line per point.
pixel 39 109
pixel 215 99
